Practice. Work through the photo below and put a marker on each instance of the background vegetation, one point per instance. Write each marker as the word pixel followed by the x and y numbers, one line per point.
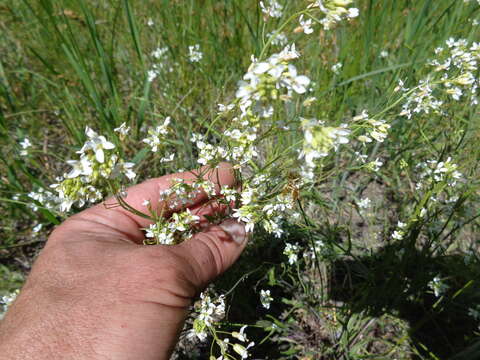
pixel 68 64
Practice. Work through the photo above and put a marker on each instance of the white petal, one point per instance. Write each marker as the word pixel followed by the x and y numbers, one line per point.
pixel 100 156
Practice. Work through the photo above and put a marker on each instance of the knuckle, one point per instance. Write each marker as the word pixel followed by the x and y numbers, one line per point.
pixel 209 257
pixel 215 252
pixel 55 270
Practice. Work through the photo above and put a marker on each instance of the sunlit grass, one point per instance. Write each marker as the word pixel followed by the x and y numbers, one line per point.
pixel 70 64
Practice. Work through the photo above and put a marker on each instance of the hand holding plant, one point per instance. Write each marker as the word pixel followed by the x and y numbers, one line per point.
pixel 102 294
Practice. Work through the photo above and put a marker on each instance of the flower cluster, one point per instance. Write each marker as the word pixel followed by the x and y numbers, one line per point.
pixel 271 8
pixel 157 140
pixel 41 198
pixel 268 81
pixel 291 251
pixel 334 11
pixel 194 53
pixel 376 129
pixel 173 230
pixel 399 233
pixel 433 171
pixel 182 193
pixel 454 75
pixel 25 144
pixel 93 174
pixel 266 298
pixel 336 68
pixel 438 286
pixel 208 153
pixel 278 39
pixel 458 64
pixel 269 212
pixel 374 165
pixel 364 203
pixel 160 56
pixel 319 141
pixel 241 348
pixel 210 311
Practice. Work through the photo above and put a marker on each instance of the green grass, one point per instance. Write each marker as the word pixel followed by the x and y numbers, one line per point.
pixel 74 63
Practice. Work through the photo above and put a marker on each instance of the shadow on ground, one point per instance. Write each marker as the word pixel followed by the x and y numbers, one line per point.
pixel 389 282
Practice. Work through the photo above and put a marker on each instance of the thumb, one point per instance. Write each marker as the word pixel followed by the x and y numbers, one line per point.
pixel 214 250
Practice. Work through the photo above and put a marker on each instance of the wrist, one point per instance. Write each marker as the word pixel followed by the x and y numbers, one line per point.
pixel 35 329
pixel 42 329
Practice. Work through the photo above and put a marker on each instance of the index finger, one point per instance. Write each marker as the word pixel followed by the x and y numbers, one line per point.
pixel 129 225
pixel 151 189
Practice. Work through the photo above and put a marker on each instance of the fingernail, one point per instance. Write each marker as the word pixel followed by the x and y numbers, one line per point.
pixel 235 229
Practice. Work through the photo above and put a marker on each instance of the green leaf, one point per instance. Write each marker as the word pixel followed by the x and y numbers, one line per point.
pixel 140 155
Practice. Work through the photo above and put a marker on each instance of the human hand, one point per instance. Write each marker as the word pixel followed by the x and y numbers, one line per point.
pixel 96 293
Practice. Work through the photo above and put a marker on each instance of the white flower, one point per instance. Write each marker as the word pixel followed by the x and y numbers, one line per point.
pixel 401 225
pixel 242 350
pixel 361 157
pixel 265 298
pixel 97 144
pixel 225 108
pixel 167 158
pixel 194 53
pixel 374 165
pixel 305 25
pixel 157 135
pixel 383 53
pixel 423 212
pixel 336 68
pixel 298 83
pixel 291 251
pixel 25 144
pixel 271 8
pixel 151 75
pixel 353 13
pixel 82 167
pixel 288 53
pixel 364 203
pixel 150 22
pixel 455 92
pixel 6 301
pixel 240 335
pixel 230 195
pixel 124 168
pixel 159 53
pixel 279 39
pixel 122 129
pixel 362 116
pixel 438 286
pixel 397 235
